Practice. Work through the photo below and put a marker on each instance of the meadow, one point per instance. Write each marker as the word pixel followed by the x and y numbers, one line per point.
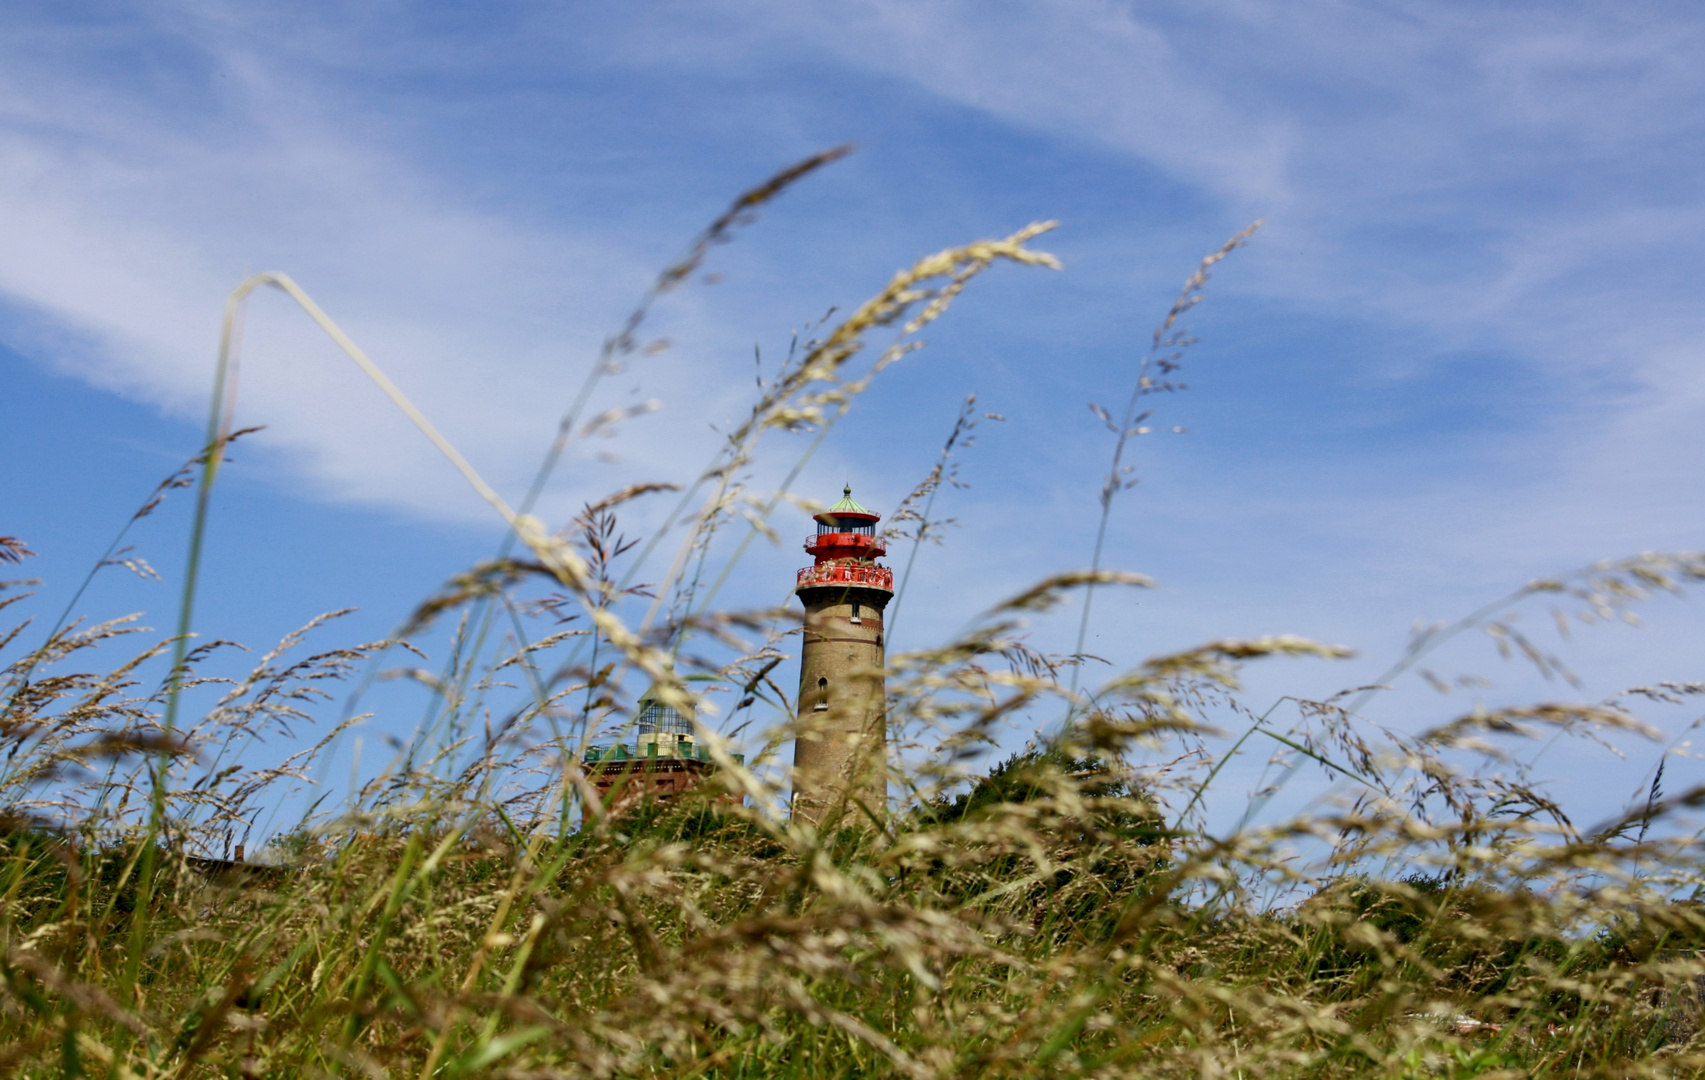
pixel 1057 910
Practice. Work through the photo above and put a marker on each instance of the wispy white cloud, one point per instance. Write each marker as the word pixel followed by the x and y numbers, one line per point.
pixel 130 216
pixel 1461 168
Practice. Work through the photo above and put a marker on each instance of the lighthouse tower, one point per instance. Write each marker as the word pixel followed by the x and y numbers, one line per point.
pixel 840 755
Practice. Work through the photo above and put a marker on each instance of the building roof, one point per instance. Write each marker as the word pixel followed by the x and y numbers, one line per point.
pixel 847 505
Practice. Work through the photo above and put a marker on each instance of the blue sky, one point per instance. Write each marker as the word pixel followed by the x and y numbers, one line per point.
pixel 1462 353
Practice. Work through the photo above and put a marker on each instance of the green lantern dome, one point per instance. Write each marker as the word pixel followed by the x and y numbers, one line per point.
pixel 847 505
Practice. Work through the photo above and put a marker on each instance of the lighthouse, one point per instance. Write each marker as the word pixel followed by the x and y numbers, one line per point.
pixel 840 754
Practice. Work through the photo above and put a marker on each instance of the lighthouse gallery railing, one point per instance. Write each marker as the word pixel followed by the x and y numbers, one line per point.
pixel 879 577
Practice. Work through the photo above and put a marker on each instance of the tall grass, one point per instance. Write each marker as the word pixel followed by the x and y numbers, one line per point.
pixel 1064 911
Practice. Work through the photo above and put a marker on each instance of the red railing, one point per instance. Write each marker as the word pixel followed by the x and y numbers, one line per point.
pixel 874 577
pixel 868 545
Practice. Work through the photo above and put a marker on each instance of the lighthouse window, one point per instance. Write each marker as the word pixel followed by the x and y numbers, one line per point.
pixel 855 617
pixel 846 525
pixel 656 717
pixel 823 689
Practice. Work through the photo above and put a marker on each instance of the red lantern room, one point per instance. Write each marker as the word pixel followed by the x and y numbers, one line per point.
pixel 846 547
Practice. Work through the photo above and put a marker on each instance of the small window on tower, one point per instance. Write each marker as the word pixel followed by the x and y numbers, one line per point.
pixel 855 617
pixel 823 689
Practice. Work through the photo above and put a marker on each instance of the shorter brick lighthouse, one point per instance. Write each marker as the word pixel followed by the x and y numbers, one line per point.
pixel 840 758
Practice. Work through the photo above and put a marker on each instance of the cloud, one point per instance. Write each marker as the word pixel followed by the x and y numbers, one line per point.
pixel 1464 169
pixel 131 214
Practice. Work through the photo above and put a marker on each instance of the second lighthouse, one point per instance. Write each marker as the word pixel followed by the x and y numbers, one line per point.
pixel 840 758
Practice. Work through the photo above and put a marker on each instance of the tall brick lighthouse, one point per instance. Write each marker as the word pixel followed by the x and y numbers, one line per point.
pixel 841 751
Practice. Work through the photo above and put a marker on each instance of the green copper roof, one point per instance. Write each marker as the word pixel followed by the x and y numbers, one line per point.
pixel 846 505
